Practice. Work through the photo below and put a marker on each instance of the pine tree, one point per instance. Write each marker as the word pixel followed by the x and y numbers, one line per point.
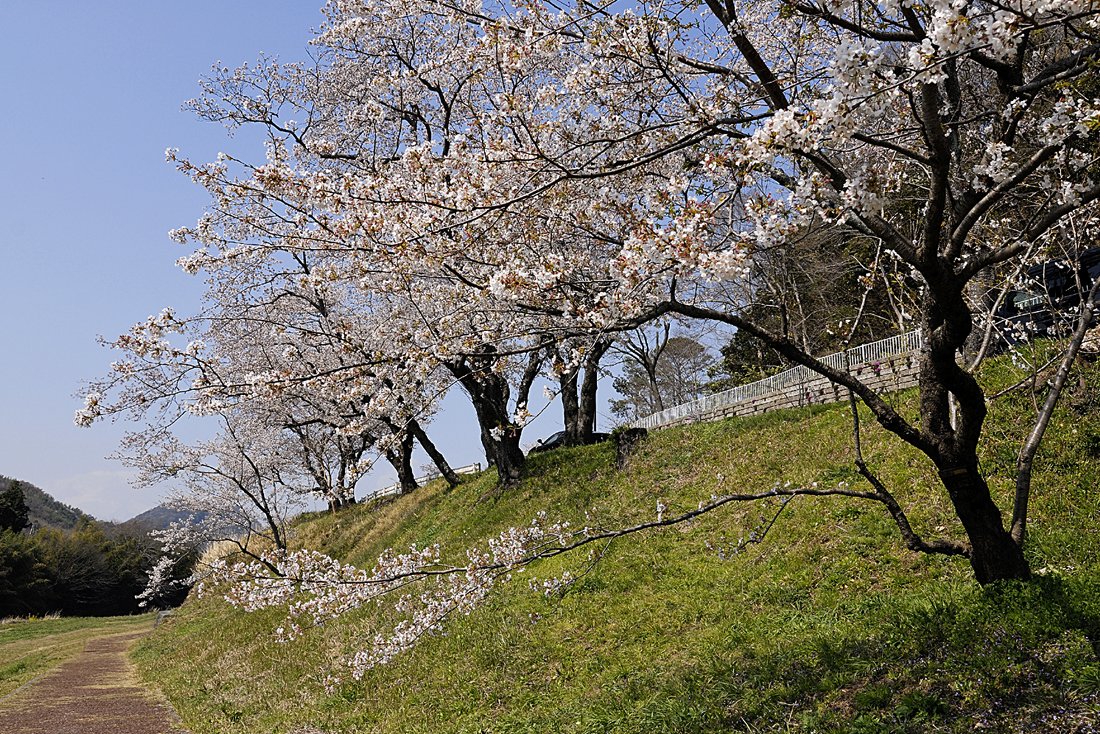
pixel 14 514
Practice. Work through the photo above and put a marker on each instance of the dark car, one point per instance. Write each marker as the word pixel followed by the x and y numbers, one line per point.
pixel 557 440
pixel 553 441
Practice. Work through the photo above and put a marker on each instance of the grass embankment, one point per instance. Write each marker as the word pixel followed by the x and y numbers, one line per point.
pixel 829 625
pixel 31 647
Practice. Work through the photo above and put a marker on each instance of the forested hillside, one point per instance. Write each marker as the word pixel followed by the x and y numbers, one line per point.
pixel 56 559
pixel 802 617
pixel 45 511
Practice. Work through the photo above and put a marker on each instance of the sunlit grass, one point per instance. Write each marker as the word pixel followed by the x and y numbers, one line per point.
pixel 828 626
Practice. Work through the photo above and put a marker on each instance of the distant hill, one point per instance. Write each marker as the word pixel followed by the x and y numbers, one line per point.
pixel 161 517
pixel 45 511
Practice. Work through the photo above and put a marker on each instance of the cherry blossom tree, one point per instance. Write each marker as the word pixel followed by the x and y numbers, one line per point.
pixel 490 182
pixel 235 486
pixel 255 356
pixel 680 143
pixel 478 175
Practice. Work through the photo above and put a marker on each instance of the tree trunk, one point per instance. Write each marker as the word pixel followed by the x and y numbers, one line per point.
pixel 994 555
pixel 350 450
pixel 489 393
pixel 436 455
pixel 654 391
pixel 400 457
pixel 570 405
pixel 586 417
pixel 579 405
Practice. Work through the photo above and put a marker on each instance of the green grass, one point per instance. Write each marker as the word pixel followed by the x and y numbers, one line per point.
pixel 31 647
pixel 828 626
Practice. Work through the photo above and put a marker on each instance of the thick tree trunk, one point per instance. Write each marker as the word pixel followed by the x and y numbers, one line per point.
pixel 351 450
pixel 570 406
pixel 399 455
pixel 489 393
pixel 338 493
pixel 579 405
pixel 586 417
pixel 509 458
pixel 436 455
pixel 994 554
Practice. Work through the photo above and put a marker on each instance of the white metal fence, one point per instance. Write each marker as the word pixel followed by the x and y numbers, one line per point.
pixel 396 488
pixel 856 357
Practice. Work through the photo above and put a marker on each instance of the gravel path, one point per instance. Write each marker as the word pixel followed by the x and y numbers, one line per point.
pixel 94 693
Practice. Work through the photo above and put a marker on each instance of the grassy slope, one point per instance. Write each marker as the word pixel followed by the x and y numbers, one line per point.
pixel 829 625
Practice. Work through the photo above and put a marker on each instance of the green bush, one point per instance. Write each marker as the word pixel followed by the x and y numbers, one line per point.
pixel 89 571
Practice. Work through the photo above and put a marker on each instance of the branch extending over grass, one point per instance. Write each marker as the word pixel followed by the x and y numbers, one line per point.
pixel 912 541
pixel 318 588
pixel 579 539
pixel 1027 452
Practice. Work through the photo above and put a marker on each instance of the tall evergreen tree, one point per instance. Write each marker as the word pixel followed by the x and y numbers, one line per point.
pixel 14 514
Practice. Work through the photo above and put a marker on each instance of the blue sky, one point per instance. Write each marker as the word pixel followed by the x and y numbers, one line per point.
pixel 91 99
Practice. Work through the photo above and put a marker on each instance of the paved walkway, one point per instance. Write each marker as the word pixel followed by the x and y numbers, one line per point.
pixel 94 693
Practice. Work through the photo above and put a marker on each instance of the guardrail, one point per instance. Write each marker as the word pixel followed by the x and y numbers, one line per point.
pixel 395 488
pixel 857 356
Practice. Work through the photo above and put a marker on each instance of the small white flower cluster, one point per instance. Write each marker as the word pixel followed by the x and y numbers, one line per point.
pixel 87 415
pixel 317 588
pixel 997 164
pixel 522 416
pixel 553 586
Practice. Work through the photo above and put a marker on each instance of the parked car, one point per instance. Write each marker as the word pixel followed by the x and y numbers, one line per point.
pixel 557 440
pixel 552 441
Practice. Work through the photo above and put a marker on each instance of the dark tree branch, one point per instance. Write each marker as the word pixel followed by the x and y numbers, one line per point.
pixel 1066 68
pixel 958 237
pixel 860 30
pixel 886 415
pixel 1026 458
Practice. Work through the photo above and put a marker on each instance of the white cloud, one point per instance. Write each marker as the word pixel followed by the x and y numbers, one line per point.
pixel 106 495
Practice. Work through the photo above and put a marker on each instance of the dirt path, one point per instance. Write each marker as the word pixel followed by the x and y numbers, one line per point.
pixel 94 693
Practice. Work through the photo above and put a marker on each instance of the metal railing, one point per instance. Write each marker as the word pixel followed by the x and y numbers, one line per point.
pixel 395 488
pixel 866 354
